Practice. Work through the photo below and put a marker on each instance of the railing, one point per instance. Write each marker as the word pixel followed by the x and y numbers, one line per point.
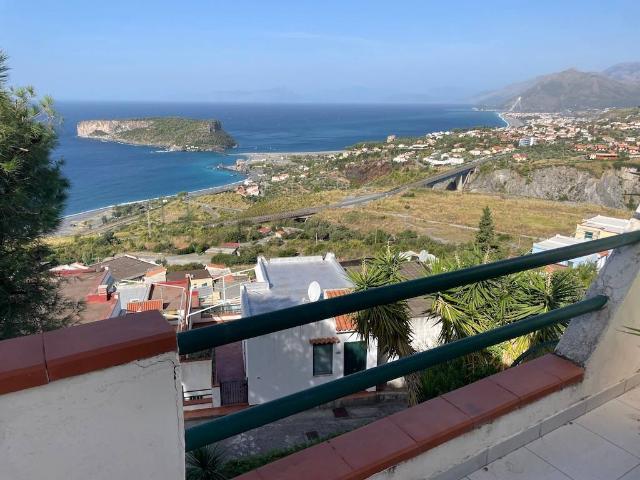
pixel 266 323
pixel 196 394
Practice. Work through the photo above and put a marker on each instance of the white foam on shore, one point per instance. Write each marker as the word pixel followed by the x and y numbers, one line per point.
pixel 501 116
pixel 192 192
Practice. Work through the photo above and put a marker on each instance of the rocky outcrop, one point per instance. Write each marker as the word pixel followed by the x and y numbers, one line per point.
pixel 167 132
pixel 102 128
pixel 563 184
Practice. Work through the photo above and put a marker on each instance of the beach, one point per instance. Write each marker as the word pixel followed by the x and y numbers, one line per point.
pixel 510 120
pixel 91 220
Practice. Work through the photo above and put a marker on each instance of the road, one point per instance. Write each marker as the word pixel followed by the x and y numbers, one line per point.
pixel 362 199
pixel 69 224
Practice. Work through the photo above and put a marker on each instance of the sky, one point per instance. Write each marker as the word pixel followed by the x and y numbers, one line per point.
pixel 306 50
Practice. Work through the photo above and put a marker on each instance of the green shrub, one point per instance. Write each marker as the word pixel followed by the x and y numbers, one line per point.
pixel 456 373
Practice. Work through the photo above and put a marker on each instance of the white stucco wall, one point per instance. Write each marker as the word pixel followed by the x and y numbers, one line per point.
pixel 281 363
pixel 123 422
pixel 426 331
pixel 196 375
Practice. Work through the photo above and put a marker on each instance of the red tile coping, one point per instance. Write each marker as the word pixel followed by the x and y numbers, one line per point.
pixel 22 363
pixel 35 360
pixel 381 444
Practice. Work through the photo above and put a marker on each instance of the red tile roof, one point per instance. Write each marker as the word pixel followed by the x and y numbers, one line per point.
pixel 346 322
pixel 155 271
pixel 144 306
pixel 324 340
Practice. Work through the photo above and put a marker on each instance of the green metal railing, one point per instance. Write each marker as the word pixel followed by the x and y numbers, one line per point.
pixel 249 327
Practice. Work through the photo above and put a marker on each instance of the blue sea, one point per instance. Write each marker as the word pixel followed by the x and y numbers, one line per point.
pixel 103 174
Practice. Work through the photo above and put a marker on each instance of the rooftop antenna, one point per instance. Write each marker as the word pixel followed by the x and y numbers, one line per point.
pixel 314 292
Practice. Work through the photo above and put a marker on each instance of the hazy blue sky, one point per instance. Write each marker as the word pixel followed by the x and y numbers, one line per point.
pixel 306 50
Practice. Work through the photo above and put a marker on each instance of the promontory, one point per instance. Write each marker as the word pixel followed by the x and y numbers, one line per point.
pixel 171 133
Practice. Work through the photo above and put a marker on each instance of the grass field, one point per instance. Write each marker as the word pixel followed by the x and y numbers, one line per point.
pixel 452 216
pixel 294 201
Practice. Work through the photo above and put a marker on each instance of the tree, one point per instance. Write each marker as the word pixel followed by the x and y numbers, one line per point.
pixel 477 307
pixel 390 324
pixel 485 237
pixel 32 195
pixel 205 463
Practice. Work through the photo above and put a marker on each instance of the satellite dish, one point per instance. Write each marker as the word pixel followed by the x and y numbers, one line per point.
pixel 423 256
pixel 314 292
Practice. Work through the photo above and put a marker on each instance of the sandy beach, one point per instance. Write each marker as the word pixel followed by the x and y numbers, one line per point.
pixel 91 220
pixel 511 121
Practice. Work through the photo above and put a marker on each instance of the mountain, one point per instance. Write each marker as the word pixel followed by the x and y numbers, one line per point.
pixel 569 90
pixel 624 72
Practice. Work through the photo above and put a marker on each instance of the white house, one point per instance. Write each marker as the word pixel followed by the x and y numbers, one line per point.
pixel 291 360
pixel 559 241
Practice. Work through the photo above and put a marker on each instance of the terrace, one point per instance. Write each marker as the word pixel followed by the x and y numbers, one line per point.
pixel 73 400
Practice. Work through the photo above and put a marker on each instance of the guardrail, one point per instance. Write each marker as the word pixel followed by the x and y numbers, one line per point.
pixel 249 327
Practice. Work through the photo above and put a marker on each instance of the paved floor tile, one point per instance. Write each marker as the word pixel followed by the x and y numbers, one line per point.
pixel 520 464
pixel 631 398
pixel 582 454
pixel 632 475
pixel 617 422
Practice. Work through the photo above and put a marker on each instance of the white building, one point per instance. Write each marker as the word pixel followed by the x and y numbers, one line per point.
pixel 291 360
pixel 559 241
pixel 527 142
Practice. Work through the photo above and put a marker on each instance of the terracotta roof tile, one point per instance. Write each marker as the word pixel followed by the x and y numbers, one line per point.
pixel 346 322
pixel 144 306
pixel 324 340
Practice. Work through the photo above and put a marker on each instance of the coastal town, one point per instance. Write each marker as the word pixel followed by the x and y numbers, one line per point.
pixel 612 136
pixel 251 269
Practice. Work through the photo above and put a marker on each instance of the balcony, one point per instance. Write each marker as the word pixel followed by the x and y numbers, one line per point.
pixel 77 398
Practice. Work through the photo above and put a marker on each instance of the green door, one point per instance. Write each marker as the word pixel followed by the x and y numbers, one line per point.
pixel 355 357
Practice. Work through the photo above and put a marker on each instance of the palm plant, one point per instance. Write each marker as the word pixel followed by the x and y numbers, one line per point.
pixel 474 308
pixel 205 463
pixel 4 69
pixel 470 309
pixel 389 325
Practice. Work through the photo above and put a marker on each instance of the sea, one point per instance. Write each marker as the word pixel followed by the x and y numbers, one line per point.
pixel 104 173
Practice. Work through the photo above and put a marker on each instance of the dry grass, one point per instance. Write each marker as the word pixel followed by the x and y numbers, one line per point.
pixel 452 216
pixel 226 200
pixel 285 203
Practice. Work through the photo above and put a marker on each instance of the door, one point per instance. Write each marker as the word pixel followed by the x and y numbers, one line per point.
pixel 355 357
pixel 233 392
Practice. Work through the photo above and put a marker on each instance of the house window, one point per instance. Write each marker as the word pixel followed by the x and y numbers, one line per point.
pixel 588 235
pixel 323 359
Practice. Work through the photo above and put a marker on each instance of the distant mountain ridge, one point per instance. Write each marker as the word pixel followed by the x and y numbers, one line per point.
pixel 617 86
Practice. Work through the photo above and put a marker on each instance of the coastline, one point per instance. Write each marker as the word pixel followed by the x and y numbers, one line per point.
pixel 511 121
pixel 69 222
pixel 502 116
pixel 250 156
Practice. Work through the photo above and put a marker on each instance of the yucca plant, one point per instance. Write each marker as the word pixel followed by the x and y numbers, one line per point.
pixel 389 325
pixel 205 463
pixel 470 309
